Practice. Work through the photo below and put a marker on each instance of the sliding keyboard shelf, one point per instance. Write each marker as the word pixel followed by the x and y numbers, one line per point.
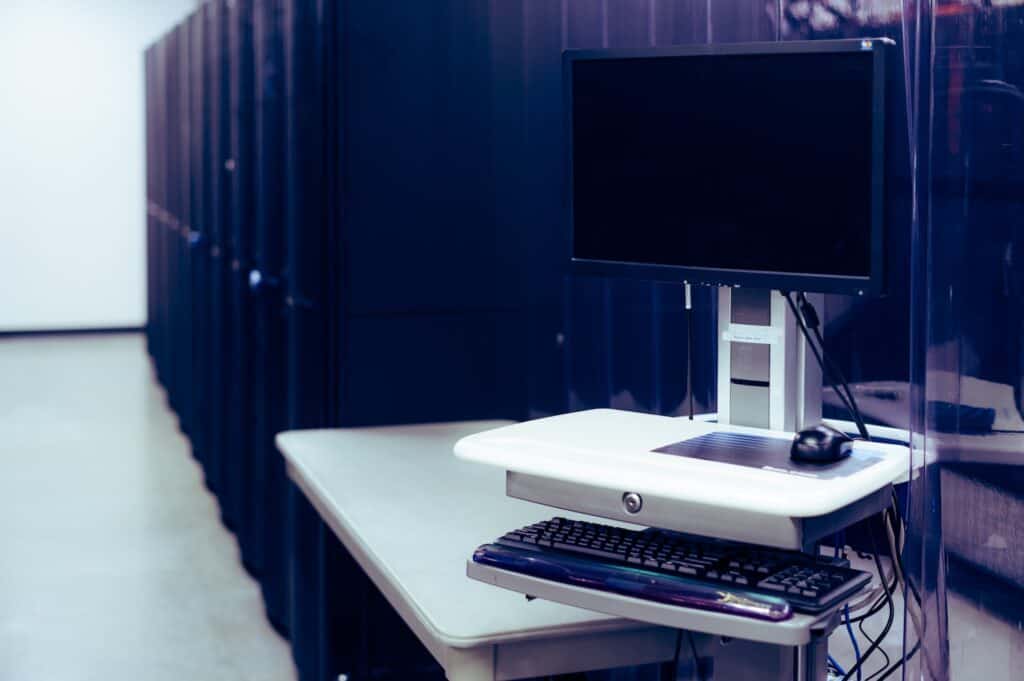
pixel 799 630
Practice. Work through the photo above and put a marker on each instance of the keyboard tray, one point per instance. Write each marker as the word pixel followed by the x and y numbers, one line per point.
pixel 800 629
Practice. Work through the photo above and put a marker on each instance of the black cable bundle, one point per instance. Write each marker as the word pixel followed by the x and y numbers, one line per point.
pixel 808 321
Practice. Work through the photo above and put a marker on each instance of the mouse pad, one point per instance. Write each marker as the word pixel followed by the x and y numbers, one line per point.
pixel 766 453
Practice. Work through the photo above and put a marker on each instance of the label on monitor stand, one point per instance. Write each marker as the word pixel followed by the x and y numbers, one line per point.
pixel 751 333
pixel 765 453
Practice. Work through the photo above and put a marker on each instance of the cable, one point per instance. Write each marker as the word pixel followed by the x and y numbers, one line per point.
pixel 856 648
pixel 899 664
pixel 814 349
pixel 807 316
pixel 888 660
pixel 884 585
pixel 915 603
pixel 885 629
pixel 835 665
pixel 814 323
pixel 696 657
pixel 894 525
pixel 887 587
pixel 891 519
pixel 693 650
pixel 876 644
pixel 821 362
pixel 675 657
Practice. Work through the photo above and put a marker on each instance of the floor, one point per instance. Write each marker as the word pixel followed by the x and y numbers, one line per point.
pixel 113 561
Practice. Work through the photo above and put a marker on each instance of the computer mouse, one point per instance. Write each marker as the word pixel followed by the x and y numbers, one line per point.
pixel 821 444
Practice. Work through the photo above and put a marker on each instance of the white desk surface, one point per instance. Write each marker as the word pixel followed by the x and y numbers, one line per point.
pixel 613 449
pixel 411 514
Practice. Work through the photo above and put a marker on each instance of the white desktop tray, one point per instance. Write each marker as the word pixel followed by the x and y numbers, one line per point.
pixel 588 461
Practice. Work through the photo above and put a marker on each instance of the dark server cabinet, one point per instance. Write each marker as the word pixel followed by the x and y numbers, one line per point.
pixel 238 471
pixel 162 229
pixel 150 95
pixel 171 175
pixel 175 203
pixel 327 255
pixel 192 285
pixel 199 240
pixel 182 289
pixel 164 236
pixel 269 329
pixel 318 560
pixel 309 299
pixel 431 291
pixel 154 223
pixel 214 250
pixel 423 294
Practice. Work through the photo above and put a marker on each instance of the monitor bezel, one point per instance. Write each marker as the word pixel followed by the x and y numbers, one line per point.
pixel 784 281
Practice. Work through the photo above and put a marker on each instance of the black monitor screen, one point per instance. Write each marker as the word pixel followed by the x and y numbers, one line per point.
pixel 728 165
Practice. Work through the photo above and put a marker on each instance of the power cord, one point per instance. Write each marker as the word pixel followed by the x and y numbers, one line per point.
pixel 675 657
pixel 814 324
pixel 885 655
pixel 696 658
pixel 693 651
pixel 856 647
pixel 845 396
pixel 875 643
pixel 835 665
pixel 903 660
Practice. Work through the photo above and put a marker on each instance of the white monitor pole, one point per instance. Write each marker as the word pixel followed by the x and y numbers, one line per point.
pixel 767 376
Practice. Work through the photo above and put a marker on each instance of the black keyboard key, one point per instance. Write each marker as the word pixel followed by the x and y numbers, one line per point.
pixel 589 551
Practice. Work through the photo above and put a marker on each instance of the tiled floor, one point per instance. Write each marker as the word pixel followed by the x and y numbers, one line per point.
pixel 113 561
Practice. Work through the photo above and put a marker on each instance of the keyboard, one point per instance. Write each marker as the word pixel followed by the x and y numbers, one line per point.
pixel 676 568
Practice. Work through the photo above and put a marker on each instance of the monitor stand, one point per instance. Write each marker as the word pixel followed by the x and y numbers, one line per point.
pixel 767 376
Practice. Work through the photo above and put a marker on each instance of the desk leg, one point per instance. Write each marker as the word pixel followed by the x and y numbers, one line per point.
pixel 469 664
pixel 738 660
pixel 812 660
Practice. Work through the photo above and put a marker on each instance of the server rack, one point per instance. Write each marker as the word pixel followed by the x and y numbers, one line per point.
pixel 237 490
pixel 151 146
pixel 275 303
pixel 216 151
pixel 179 203
pixel 194 264
pixel 269 322
pixel 324 638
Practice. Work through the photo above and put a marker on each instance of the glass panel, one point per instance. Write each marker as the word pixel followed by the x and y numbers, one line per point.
pixel 968 562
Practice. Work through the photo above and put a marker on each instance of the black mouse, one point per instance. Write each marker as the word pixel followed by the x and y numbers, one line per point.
pixel 821 444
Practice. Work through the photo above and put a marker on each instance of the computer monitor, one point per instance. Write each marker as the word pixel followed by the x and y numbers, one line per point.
pixel 758 165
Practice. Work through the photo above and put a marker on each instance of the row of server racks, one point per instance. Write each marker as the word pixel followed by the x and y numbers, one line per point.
pixel 280 296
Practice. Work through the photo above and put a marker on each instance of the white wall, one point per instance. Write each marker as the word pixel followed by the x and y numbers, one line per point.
pixel 72 160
